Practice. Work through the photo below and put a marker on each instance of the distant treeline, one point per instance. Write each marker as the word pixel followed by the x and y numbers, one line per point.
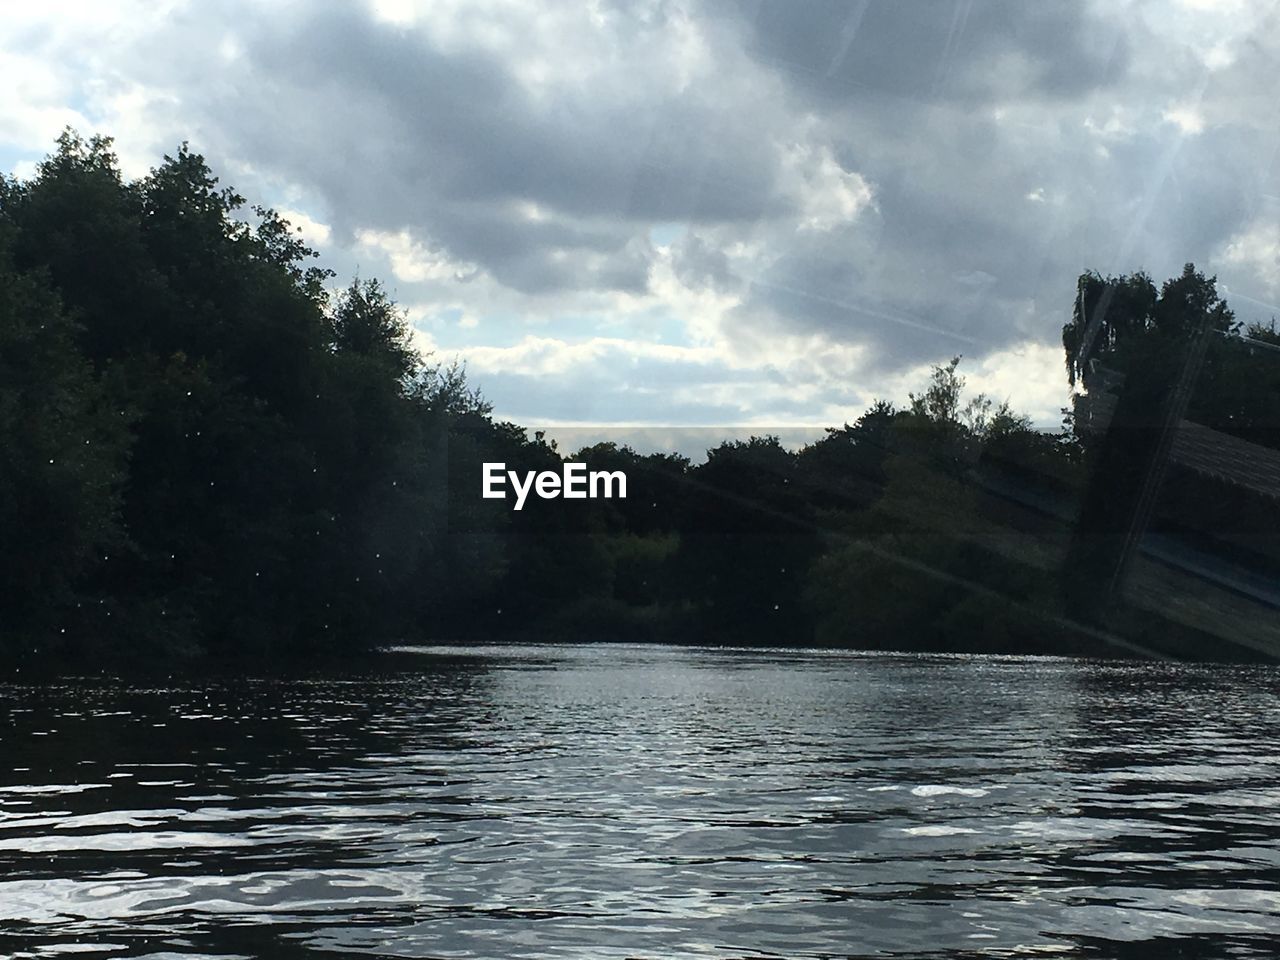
pixel 206 451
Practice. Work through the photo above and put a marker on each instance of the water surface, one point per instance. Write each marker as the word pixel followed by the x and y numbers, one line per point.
pixel 606 801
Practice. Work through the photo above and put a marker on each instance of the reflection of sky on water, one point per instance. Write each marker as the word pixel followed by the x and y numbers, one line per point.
pixel 621 801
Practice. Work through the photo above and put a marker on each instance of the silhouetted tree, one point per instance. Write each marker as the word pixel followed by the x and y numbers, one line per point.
pixel 63 460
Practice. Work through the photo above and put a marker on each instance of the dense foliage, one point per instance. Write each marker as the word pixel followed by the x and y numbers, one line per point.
pixel 208 450
pixel 204 449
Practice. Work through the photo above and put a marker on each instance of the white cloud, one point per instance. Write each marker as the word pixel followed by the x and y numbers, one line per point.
pixel 828 196
pixel 1031 376
pixel 413 261
pixel 316 235
pixel 1115 123
pixel 35 107
pixel 1257 250
pixel 400 12
pixel 1186 118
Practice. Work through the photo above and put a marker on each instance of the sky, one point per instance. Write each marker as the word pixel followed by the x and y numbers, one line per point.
pixel 677 214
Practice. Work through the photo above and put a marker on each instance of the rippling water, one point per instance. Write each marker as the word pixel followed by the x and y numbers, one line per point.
pixel 648 802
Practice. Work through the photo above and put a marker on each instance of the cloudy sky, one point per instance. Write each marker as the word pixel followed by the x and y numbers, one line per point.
pixel 705 212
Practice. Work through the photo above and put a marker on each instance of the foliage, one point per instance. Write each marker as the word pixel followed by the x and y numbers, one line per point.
pixel 64 451
pixel 209 450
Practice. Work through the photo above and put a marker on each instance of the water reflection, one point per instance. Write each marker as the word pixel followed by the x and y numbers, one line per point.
pixel 647 802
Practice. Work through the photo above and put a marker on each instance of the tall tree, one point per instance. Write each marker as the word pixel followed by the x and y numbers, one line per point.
pixel 63 461
pixel 1154 347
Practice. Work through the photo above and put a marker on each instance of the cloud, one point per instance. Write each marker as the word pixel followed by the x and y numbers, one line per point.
pixel 411 260
pixel 965 52
pixel 312 232
pixel 699 211
pixel 1256 251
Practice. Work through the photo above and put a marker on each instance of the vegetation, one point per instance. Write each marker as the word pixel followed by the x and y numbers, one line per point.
pixel 206 451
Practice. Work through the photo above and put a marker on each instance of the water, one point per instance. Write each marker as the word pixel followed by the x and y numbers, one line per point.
pixel 645 802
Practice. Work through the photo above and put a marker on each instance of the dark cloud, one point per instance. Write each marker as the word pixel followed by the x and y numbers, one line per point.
pixel 395 131
pixel 966 51
pixel 972 123
pixel 913 177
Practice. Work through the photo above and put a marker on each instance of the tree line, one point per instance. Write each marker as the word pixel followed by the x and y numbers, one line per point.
pixel 208 451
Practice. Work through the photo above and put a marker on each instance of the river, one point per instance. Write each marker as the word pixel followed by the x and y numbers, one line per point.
pixel 629 801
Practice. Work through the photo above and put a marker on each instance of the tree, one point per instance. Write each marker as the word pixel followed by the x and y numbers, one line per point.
pixel 1264 334
pixel 1115 319
pixel 63 463
pixel 366 323
pixel 845 469
pixel 1108 312
pixel 747 538
pixel 1154 346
